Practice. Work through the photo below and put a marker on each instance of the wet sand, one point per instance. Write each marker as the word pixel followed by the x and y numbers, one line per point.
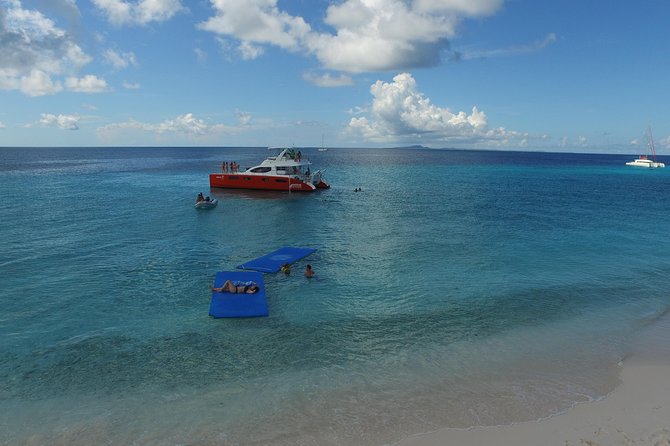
pixel 636 413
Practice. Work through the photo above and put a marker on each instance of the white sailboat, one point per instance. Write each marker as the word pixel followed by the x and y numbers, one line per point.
pixel 643 160
pixel 322 148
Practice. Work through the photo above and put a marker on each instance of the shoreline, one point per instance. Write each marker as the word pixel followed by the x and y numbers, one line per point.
pixel 635 413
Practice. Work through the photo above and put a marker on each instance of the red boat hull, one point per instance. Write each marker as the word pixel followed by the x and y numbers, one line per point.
pixel 260 182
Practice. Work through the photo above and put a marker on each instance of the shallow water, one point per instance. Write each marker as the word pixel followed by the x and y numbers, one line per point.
pixel 457 289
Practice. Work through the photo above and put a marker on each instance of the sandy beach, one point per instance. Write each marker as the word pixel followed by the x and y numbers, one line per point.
pixel 636 413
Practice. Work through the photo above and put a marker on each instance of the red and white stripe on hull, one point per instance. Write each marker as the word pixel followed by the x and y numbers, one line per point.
pixel 260 182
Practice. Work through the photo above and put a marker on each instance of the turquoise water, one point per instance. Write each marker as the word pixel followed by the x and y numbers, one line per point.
pixel 457 289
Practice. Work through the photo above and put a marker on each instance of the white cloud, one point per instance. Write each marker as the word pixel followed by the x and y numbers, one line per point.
pixel 512 51
pixel 120 60
pixel 243 117
pixel 200 54
pixel 131 86
pixel 33 51
pixel 142 12
pixel 663 143
pixel 38 83
pixel 64 122
pixel 65 8
pixel 249 51
pixel 328 80
pixel 472 8
pixel 400 113
pixel 86 84
pixel 368 35
pixel 358 110
pixel 257 22
pixel 382 35
pixel 185 125
pixel 2 126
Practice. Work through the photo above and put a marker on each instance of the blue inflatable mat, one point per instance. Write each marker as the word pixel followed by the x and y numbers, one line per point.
pixel 271 263
pixel 238 305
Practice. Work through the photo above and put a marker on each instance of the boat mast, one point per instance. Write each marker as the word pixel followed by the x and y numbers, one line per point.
pixel 650 143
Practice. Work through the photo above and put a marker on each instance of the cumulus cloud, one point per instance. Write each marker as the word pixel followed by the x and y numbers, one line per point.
pixel 368 35
pixel 185 125
pixel 131 85
pixel 257 22
pixel 382 35
pixel 38 83
pixel 328 80
pixel 63 122
pixel 120 60
pixel 86 84
pixel 34 51
pixel 400 113
pixel 142 12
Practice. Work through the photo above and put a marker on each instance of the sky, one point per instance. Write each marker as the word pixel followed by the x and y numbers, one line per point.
pixel 546 75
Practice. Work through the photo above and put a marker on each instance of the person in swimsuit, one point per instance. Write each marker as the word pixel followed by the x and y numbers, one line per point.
pixel 237 287
pixel 309 272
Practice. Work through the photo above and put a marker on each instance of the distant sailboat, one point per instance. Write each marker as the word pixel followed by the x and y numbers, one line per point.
pixel 322 149
pixel 643 160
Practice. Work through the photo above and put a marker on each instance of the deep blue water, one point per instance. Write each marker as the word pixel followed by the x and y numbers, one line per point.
pixel 457 289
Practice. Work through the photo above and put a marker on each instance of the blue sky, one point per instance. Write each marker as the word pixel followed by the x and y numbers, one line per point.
pixel 564 75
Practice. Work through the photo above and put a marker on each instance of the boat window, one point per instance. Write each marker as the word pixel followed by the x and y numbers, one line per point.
pixel 232 177
pixel 247 178
pixel 280 181
pixel 260 169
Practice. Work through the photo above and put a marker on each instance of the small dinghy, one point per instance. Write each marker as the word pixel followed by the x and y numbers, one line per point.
pixel 206 204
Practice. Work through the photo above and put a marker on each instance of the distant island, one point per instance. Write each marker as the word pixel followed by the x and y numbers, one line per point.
pixel 415 146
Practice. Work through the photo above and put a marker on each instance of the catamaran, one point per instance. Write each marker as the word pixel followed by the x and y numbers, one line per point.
pixel 643 160
pixel 287 170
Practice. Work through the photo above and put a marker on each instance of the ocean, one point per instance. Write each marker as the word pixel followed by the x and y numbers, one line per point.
pixel 457 289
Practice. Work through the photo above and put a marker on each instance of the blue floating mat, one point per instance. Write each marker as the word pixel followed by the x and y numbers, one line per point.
pixel 271 263
pixel 238 305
